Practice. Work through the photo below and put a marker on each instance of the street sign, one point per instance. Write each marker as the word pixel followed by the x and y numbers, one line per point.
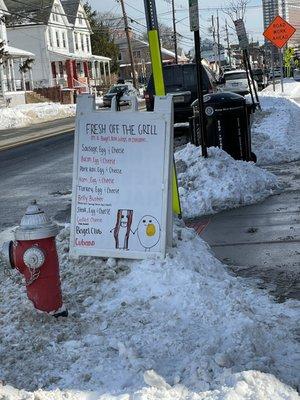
pixel 279 32
pixel 241 34
pixel 121 180
pixel 194 15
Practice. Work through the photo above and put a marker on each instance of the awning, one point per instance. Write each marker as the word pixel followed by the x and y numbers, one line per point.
pixel 13 52
pixel 63 56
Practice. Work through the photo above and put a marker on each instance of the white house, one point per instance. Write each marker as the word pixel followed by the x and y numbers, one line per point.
pixel 15 74
pixel 58 33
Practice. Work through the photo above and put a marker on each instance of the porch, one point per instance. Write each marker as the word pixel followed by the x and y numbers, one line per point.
pixel 15 75
pixel 74 72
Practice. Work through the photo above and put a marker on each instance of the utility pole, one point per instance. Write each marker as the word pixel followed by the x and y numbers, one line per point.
pixel 195 27
pixel 218 35
pixel 174 32
pixel 129 43
pixel 228 44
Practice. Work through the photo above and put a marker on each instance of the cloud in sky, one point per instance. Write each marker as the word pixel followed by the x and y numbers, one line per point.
pixel 135 10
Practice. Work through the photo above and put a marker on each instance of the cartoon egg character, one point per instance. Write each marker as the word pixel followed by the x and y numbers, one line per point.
pixel 148 232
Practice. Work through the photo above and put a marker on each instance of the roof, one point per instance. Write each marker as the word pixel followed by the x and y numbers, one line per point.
pixel 2 6
pixel 163 50
pixel 234 71
pixel 71 9
pixel 14 52
pixel 36 11
pixel 62 56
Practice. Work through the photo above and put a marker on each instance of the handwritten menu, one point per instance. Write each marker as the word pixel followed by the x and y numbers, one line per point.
pixel 119 184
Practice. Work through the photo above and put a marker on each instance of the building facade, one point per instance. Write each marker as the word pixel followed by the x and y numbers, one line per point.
pixel 141 56
pixel 15 66
pixel 58 33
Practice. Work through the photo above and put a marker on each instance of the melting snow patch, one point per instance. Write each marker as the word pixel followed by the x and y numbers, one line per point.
pixel 182 326
pixel 24 115
pixel 219 182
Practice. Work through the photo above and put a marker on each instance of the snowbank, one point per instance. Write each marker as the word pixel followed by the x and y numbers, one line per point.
pixel 291 89
pixel 27 114
pixel 219 182
pixel 184 327
pixel 276 130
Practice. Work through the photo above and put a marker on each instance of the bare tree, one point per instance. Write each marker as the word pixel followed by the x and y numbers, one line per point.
pixel 236 9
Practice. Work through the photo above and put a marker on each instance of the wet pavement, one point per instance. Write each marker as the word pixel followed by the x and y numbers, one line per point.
pixel 262 241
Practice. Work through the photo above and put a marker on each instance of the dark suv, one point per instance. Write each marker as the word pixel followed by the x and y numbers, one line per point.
pixel 181 80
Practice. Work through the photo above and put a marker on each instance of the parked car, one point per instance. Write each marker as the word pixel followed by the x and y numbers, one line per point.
pixel 236 82
pixel 126 88
pixel 181 81
pixel 296 75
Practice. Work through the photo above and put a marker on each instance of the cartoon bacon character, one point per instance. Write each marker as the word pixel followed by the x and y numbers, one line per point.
pixel 122 228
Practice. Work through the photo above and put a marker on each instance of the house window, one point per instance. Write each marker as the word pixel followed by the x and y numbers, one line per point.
pixel 137 54
pixel 80 19
pixel 82 41
pixel 88 43
pixel 57 39
pixel 64 39
pixel 120 56
pixel 55 14
pixel 61 68
pixel 76 41
pixel 50 38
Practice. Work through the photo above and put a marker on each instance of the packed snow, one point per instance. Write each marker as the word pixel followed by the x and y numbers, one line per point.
pixel 27 114
pixel 276 130
pixel 182 328
pixel 209 185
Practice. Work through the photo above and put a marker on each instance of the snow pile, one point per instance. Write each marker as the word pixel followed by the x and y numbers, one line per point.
pixel 219 182
pixel 291 89
pixel 27 114
pixel 276 130
pixel 182 326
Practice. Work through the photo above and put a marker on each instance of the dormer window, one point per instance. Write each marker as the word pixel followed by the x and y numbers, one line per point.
pixel 80 19
pixel 55 14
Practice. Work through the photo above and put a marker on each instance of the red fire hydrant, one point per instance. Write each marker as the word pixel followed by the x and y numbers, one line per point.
pixel 33 253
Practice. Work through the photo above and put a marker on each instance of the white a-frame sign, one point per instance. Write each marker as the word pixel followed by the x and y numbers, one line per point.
pixel 121 204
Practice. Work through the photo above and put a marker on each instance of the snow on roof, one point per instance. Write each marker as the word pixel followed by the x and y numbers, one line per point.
pixel 15 52
pixel 235 71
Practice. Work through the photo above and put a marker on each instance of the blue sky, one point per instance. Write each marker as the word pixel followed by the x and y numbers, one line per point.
pixel 135 10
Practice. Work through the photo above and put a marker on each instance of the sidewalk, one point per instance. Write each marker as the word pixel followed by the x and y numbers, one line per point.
pixel 263 240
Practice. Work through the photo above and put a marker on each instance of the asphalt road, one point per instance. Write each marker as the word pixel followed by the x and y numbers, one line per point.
pixel 17 136
pixel 41 171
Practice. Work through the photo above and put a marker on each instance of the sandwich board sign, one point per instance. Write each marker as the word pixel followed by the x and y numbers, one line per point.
pixel 279 32
pixel 122 194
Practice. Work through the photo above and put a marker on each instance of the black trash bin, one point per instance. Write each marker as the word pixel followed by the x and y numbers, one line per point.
pixel 227 124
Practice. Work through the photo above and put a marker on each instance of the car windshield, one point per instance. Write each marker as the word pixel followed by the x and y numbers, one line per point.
pixel 118 89
pixel 235 76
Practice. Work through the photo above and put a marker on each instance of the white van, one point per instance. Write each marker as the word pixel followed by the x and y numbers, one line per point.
pixel 236 81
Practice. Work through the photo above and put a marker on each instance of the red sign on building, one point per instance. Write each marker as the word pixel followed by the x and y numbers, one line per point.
pixel 279 32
